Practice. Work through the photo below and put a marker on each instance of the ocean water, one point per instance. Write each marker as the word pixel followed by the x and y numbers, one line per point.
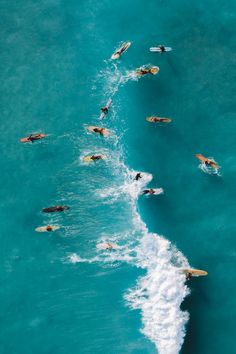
pixel 59 293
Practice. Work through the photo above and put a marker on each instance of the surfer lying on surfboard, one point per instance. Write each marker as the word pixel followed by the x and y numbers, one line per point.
pixel 47 228
pixel 91 158
pixel 98 130
pixel 207 162
pixel 105 109
pixel 143 71
pixel 121 50
pixel 32 137
pixel 107 246
pixel 189 273
pixel 158 120
pixel 160 49
pixel 57 208
pixel 152 191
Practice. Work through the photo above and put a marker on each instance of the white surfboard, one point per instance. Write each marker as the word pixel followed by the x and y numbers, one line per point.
pixel 121 50
pixel 108 105
pixel 158 49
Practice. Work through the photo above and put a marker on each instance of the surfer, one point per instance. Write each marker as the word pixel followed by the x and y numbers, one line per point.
pixel 188 275
pixel 143 71
pixel 162 48
pixel 105 110
pixel 107 246
pixel 57 208
pixel 138 176
pixel 96 157
pixel 207 162
pixel 99 130
pixel 210 163
pixel 32 137
pixel 158 120
pixel 148 191
pixel 121 50
pixel 49 228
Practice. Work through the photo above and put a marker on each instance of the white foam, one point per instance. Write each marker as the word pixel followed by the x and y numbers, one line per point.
pixel 159 293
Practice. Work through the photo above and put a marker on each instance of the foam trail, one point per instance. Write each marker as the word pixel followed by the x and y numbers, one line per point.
pixel 160 292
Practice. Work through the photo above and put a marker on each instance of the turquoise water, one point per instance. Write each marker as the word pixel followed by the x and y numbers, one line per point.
pixel 59 294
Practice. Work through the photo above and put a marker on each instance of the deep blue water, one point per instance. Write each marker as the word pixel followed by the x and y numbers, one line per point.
pixel 55 75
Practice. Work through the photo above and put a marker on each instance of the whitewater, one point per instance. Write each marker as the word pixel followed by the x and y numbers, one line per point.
pixel 158 294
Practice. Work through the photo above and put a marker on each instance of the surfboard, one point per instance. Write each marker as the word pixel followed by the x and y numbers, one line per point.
pixel 158 50
pixel 158 191
pixel 26 140
pixel 88 158
pixel 44 228
pixel 158 120
pixel 108 105
pixel 125 46
pixel 203 159
pixel 195 272
pixel 105 131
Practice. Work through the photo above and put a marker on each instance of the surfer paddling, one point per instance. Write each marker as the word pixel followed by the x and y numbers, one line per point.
pixel 48 228
pixel 99 130
pixel 56 208
pixel 189 273
pixel 105 109
pixel 121 50
pixel 207 162
pixel 33 137
pixel 107 246
pixel 144 71
pixel 158 120
pixel 160 49
pixel 94 158
pixel 152 191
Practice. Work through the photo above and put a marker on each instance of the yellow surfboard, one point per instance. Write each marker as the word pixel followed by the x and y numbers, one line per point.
pixel 194 272
pixel 93 158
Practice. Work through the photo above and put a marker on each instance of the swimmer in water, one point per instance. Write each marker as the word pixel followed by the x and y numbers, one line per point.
pixel 57 208
pixel 148 191
pixel 138 176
